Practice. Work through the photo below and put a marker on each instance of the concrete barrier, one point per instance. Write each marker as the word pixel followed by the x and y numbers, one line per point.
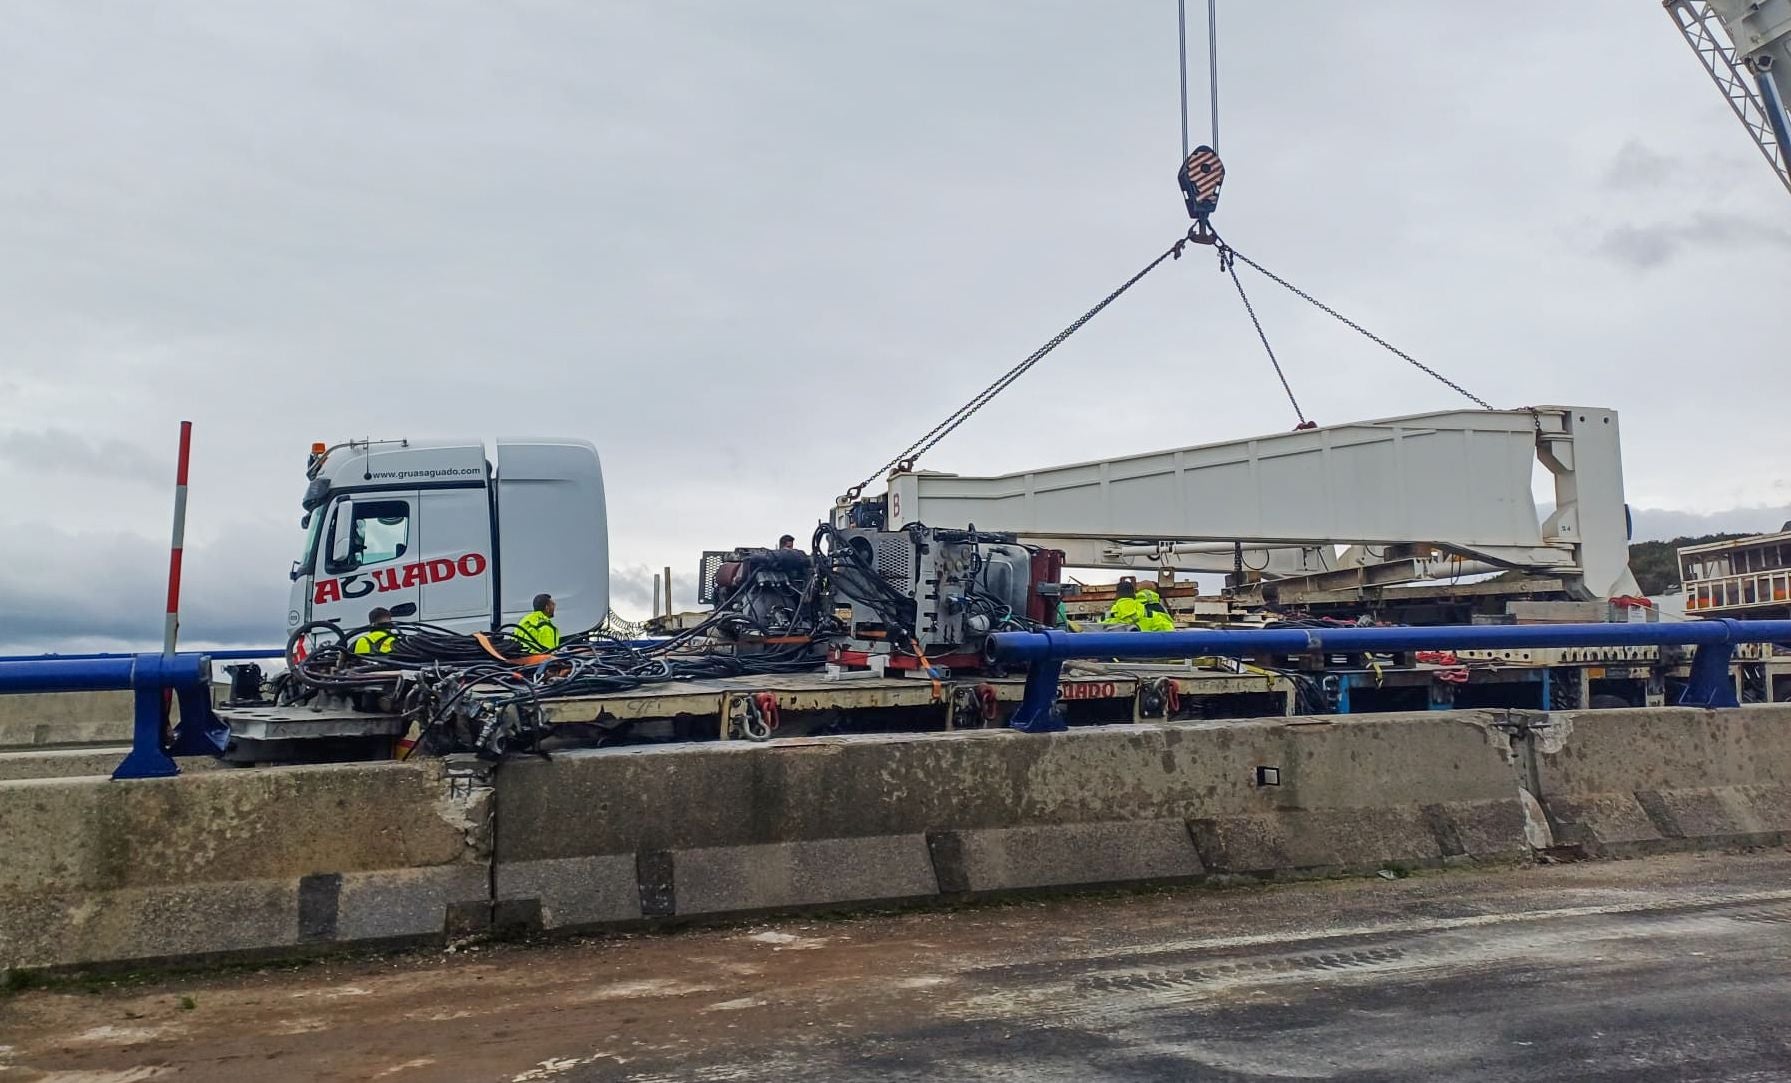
pixel 79 762
pixel 65 718
pixel 238 861
pixel 1626 782
pixel 300 859
pixel 591 838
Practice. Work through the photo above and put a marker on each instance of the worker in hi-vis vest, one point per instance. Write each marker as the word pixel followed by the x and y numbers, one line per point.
pixel 1140 609
pixel 536 631
pixel 1126 608
pixel 379 638
pixel 1156 614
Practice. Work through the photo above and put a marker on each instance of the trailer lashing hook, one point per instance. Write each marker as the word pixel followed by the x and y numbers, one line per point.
pixel 762 716
pixel 1160 698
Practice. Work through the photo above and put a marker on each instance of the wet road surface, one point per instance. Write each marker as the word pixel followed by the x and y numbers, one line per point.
pixel 1673 968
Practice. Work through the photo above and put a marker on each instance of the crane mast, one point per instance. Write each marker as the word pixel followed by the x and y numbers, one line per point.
pixel 1752 67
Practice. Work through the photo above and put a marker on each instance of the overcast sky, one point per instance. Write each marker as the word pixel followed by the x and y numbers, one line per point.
pixel 752 250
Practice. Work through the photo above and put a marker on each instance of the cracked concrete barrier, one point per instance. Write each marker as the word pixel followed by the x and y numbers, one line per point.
pixel 599 837
pixel 233 862
pixel 1619 783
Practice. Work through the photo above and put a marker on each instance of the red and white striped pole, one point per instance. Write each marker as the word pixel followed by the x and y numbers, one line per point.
pixel 172 627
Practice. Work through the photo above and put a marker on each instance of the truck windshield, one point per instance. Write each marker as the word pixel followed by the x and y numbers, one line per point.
pixel 307 555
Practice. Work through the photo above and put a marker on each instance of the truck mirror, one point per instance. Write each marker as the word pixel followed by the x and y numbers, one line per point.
pixel 342 533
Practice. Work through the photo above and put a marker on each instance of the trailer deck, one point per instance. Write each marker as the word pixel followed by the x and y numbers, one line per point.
pixel 806 704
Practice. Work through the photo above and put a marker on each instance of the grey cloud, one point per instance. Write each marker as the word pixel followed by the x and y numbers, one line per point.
pixel 1638 167
pixel 60 451
pixel 631 590
pixel 1665 524
pixel 109 590
pixel 1650 246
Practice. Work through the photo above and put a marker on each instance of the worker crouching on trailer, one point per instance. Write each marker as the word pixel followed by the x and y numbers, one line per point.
pixel 1140 609
pixel 536 632
pixel 379 638
pixel 1156 614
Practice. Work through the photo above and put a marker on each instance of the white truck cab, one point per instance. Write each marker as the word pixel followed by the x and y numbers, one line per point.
pixel 440 532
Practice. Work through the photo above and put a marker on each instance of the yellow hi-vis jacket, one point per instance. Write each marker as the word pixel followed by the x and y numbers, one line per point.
pixel 1156 617
pixel 1126 611
pixel 537 633
pixel 376 641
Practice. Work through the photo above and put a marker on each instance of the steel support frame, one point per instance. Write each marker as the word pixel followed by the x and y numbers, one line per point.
pixel 1710 685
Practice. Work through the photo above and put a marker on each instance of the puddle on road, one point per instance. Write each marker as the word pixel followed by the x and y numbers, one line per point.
pixel 791 941
pixel 645 987
pixel 107 1034
pixel 139 1074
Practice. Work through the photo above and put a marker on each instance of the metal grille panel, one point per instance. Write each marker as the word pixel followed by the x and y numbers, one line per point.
pixel 712 561
pixel 894 560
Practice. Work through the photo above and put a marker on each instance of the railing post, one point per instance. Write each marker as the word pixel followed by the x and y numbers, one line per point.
pixel 1711 683
pixel 147 758
pixel 1035 712
pixel 200 731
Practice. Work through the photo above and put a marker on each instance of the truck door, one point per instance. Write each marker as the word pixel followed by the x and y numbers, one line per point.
pixel 367 557
pixel 456 553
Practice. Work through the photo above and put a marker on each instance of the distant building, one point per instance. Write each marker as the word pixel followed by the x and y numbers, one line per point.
pixel 1746 577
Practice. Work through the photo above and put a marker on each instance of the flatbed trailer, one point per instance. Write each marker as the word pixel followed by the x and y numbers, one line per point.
pixel 807 704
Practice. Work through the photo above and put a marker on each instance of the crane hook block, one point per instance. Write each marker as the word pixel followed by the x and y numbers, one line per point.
pixel 1200 177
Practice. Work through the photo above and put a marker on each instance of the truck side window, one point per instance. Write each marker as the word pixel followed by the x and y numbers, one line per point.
pixel 381 532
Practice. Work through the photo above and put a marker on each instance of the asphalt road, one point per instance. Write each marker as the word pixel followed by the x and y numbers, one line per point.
pixel 1674 968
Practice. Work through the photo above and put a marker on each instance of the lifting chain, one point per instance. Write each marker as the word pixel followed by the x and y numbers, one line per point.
pixel 1231 255
pixel 1200 175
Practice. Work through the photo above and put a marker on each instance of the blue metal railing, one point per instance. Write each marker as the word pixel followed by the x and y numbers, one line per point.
pixel 153 679
pixel 1044 653
pixel 232 654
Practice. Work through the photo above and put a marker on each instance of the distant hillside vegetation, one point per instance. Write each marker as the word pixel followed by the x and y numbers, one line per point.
pixel 1656 563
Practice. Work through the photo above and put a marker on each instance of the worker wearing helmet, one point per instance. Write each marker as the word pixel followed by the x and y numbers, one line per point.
pixel 536 631
pixel 379 637
pixel 1156 615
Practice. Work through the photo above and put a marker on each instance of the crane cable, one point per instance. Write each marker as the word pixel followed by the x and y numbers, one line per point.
pixel 1200 233
pixel 961 414
pixel 1226 262
pixel 1212 66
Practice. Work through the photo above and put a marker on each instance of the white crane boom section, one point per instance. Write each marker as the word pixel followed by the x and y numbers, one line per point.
pixel 1752 68
pixel 1458 482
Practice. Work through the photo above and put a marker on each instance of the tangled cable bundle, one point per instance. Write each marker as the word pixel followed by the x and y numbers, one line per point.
pixel 484 692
